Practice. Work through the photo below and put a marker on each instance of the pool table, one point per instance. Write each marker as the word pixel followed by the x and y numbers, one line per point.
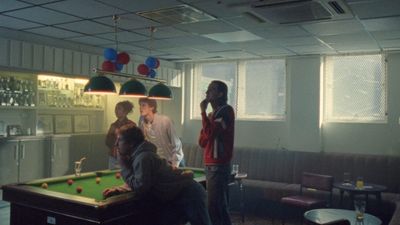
pixel 60 204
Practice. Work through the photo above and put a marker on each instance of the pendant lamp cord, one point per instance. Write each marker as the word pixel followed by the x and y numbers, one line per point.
pixel 115 19
pixel 152 30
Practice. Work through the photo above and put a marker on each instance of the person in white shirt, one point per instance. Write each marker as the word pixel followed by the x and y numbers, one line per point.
pixel 159 130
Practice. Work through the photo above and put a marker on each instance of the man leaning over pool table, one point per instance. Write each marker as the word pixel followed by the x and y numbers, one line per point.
pixel 151 177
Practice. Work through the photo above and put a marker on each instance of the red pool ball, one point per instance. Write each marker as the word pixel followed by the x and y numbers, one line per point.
pixel 98 180
pixel 45 185
pixel 118 175
pixel 79 189
pixel 70 181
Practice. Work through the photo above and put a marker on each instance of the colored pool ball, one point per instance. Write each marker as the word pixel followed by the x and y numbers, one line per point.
pixel 70 182
pixel 118 175
pixel 98 180
pixel 79 189
pixel 45 185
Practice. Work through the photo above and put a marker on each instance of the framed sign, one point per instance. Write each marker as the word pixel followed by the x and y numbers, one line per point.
pixel 44 124
pixel 81 124
pixel 63 124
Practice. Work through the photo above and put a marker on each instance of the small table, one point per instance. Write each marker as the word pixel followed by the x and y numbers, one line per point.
pixel 352 190
pixel 238 178
pixel 322 216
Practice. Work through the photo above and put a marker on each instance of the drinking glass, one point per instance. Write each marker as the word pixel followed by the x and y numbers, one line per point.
pixel 346 178
pixel 360 183
pixel 359 206
pixel 78 168
pixel 235 168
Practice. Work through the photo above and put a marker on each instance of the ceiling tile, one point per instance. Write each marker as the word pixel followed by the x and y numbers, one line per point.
pixel 273 51
pixel 252 45
pixel 334 27
pixel 296 41
pixel 17 24
pixel 360 37
pixel 91 40
pixel 123 47
pixel 383 35
pixel 84 9
pixel 382 23
pixel 128 21
pixel 38 2
pixel 42 15
pixel 375 8
pixel 216 47
pixel 54 32
pixel 155 44
pixel 190 40
pixel 390 44
pixel 311 49
pixel 281 31
pixel 162 32
pixel 135 6
pixel 124 36
pixel 87 27
pixel 216 8
pixel 235 36
pixel 207 27
pixel 246 21
pixel 7 5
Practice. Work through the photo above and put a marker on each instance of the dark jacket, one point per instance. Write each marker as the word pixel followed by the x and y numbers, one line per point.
pixel 151 176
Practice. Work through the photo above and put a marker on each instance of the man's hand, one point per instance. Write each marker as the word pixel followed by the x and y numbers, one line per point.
pixel 108 192
pixel 203 105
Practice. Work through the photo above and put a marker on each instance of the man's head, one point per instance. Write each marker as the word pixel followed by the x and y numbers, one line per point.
pixel 123 108
pixel 217 92
pixel 129 137
pixel 147 106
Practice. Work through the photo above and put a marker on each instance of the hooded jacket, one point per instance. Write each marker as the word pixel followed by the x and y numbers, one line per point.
pixel 151 176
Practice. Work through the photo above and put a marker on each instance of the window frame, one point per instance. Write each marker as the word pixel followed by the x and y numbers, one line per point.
pixel 240 68
pixel 327 118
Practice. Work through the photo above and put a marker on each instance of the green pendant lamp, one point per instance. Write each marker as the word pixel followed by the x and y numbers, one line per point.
pixel 160 91
pixel 133 88
pixel 100 85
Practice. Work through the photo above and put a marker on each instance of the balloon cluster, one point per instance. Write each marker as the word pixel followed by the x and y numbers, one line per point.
pixel 148 67
pixel 114 61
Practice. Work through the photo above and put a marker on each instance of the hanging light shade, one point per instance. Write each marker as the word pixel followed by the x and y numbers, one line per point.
pixel 133 88
pixel 100 85
pixel 160 91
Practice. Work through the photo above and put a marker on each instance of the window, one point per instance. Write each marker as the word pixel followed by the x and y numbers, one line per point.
pixel 256 88
pixel 262 89
pixel 355 88
pixel 207 72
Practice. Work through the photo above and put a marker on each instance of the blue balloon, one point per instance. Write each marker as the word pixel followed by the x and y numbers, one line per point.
pixel 119 66
pixel 152 73
pixel 151 62
pixel 110 54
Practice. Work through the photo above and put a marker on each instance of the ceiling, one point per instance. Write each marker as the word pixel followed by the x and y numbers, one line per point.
pixel 232 29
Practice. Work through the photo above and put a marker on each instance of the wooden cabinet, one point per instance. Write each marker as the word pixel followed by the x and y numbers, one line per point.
pixel 22 160
pixel 9 155
pixel 59 155
pixel 93 148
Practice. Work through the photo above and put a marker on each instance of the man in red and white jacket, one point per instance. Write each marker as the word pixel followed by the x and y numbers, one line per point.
pixel 217 139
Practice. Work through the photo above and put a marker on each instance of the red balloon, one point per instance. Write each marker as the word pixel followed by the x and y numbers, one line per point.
pixel 123 58
pixel 157 63
pixel 108 66
pixel 143 69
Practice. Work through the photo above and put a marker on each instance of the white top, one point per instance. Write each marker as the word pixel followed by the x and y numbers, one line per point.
pixel 162 134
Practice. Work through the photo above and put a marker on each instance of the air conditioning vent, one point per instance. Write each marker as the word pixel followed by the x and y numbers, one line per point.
pixel 298 11
pixel 338 9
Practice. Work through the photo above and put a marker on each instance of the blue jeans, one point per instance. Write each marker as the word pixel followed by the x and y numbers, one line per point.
pixel 217 190
pixel 190 205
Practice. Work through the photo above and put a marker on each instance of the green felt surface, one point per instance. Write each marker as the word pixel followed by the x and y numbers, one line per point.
pixel 88 183
pixel 90 188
